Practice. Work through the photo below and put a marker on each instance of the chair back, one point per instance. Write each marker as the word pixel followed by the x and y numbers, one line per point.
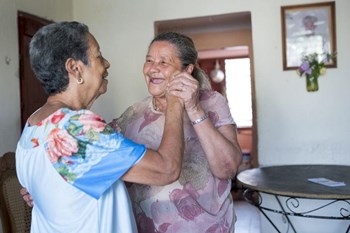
pixel 15 213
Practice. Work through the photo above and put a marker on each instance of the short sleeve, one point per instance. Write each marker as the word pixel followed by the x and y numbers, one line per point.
pixel 88 153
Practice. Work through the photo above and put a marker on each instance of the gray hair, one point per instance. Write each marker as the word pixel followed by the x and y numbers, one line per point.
pixel 187 54
pixel 50 48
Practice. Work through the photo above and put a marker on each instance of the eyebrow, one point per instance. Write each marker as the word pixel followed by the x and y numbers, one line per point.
pixel 162 57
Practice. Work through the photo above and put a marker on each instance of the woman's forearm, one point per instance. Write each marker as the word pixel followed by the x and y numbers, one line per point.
pixel 220 146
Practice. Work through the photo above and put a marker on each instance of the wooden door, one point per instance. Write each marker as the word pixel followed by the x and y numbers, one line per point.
pixel 32 95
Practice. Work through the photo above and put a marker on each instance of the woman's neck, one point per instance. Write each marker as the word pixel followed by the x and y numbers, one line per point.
pixel 159 104
pixel 63 101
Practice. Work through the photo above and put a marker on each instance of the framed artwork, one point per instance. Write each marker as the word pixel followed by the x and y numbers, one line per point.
pixel 307 29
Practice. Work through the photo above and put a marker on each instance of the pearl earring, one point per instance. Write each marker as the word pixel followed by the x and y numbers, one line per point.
pixel 80 80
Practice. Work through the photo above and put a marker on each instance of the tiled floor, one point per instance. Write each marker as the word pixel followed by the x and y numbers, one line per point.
pixel 248 219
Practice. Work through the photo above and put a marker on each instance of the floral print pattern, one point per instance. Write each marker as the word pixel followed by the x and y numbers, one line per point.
pixel 79 143
pixel 65 144
pixel 60 143
pixel 149 117
pixel 198 202
pixel 185 202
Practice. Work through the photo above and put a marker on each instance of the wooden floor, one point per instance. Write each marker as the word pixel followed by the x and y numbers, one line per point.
pixel 248 218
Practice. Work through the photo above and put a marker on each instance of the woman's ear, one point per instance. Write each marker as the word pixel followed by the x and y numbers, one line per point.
pixel 72 66
pixel 189 68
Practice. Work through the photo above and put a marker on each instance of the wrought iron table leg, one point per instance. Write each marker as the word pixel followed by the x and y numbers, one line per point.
pixel 248 195
pixel 285 214
pixel 254 198
pixel 274 226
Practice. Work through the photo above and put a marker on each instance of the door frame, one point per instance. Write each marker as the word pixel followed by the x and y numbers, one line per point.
pixel 28 25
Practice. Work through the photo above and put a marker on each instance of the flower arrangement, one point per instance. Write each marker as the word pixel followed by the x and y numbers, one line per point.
pixel 312 66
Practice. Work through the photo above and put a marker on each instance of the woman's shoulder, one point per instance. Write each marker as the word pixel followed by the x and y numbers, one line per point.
pixel 144 103
pixel 46 114
pixel 138 107
pixel 132 113
pixel 67 114
pixel 211 97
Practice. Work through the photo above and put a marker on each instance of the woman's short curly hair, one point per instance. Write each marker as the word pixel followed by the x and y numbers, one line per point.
pixel 50 48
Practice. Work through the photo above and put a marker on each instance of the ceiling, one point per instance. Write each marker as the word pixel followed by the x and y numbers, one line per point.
pixel 213 23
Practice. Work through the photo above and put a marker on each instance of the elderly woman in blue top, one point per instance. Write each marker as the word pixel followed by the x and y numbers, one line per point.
pixel 68 158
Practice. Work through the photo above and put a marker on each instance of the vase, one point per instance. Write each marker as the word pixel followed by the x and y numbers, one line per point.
pixel 311 83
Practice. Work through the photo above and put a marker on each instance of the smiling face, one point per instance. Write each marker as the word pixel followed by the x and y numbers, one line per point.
pixel 161 63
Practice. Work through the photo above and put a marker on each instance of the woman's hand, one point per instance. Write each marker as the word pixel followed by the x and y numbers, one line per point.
pixel 184 86
pixel 219 144
pixel 26 197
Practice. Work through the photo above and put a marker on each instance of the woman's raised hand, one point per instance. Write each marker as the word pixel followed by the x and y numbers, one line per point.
pixel 184 86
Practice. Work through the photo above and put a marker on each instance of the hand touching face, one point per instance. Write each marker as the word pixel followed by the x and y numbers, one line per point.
pixel 184 86
pixel 160 66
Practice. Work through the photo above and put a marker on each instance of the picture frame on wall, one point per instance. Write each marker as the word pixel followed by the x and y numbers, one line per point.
pixel 307 29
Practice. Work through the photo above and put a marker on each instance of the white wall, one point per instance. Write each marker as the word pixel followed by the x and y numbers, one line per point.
pixel 9 76
pixel 9 88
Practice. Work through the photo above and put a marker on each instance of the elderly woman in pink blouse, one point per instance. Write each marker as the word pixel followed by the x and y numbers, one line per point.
pixel 200 200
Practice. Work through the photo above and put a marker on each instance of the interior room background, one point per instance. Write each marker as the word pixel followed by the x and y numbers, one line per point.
pixel 293 126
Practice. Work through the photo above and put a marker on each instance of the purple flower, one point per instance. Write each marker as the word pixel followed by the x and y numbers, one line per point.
pixel 314 65
pixel 221 227
pixel 304 68
pixel 144 223
pixel 186 203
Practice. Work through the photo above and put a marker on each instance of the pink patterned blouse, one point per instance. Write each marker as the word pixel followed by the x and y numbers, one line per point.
pixel 196 203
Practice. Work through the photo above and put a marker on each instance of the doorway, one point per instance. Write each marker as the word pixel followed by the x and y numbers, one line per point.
pixel 222 37
pixel 32 95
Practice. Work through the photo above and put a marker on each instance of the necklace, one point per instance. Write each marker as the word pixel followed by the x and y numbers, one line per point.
pixel 155 107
